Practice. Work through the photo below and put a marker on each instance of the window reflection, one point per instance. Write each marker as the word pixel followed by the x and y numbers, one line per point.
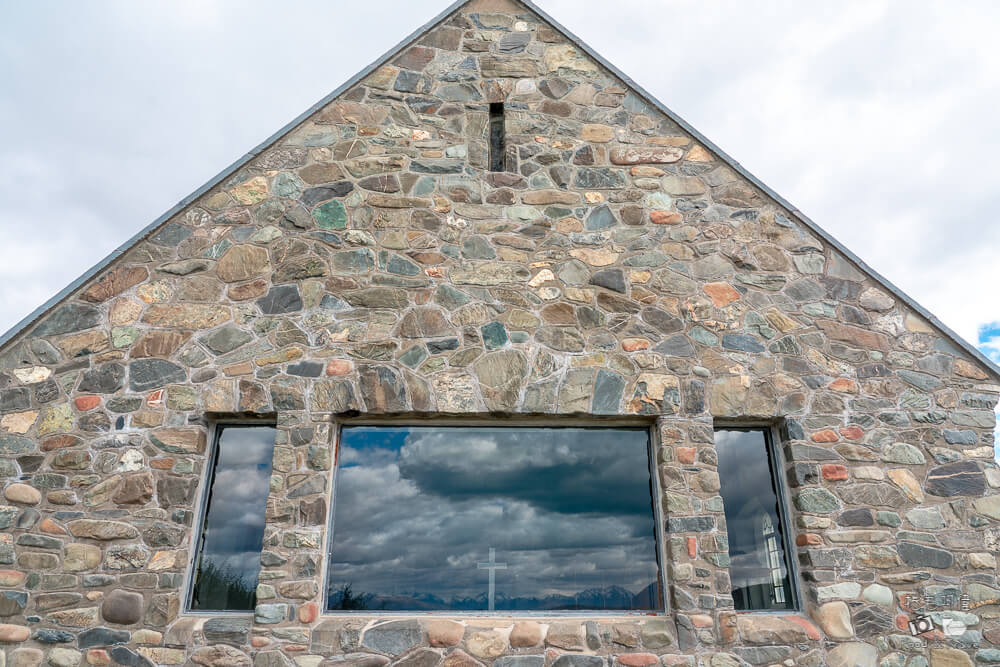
pixel 759 563
pixel 233 526
pixel 559 518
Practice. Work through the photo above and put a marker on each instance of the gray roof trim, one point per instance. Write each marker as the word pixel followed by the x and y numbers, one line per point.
pixel 707 143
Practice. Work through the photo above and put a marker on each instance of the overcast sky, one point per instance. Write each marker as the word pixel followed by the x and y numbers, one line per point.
pixel 877 119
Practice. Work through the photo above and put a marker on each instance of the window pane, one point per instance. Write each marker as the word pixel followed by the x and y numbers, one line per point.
pixel 759 569
pixel 562 517
pixel 233 528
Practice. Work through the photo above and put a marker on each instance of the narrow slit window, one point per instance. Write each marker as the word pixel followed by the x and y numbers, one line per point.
pixel 498 142
pixel 227 561
pixel 759 565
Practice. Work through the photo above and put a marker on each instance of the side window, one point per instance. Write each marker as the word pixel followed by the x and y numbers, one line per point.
pixel 759 555
pixel 227 557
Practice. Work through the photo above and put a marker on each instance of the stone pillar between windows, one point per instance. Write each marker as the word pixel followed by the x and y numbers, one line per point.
pixel 696 573
pixel 289 592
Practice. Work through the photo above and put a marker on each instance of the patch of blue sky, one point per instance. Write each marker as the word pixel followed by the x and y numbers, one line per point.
pixel 989 344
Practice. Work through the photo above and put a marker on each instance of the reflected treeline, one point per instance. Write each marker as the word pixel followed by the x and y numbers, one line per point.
pixel 222 588
pixel 611 598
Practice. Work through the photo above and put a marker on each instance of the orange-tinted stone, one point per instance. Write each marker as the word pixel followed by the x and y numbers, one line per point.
pixel 162 464
pixel 808 539
pixel 259 642
pixel 633 344
pixel 811 630
pixel 51 527
pixel 665 217
pixel 844 385
pixel 692 545
pixel 638 659
pixel 722 294
pixel 308 612
pixel 902 622
pixel 339 367
pixel 852 432
pixel 834 472
pixel 154 399
pixel 98 657
pixel 60 442
pixel 826 435
pixel 250 290
pixel 685 455
pixel 114 283
pixel 85 403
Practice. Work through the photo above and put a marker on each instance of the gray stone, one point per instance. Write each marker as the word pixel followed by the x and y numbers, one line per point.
pixel 742 343
pixel 900 452
pixel 600 218
pixel 12 603
pixel 226 339
pixel 146 374
pixel 963 478
pixel 919 380
pixel 105 379
pixel 227 630
pixel 577 660
pixel 608 390
pixel 393 638
pixel 96 637
pixel 612 279
pixel 122 607
pixel 280 299
pixel 477 247
pixel 918 555
pixel 69 318
pixel 676 346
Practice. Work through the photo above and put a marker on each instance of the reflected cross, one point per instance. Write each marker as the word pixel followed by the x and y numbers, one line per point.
pixel 492 566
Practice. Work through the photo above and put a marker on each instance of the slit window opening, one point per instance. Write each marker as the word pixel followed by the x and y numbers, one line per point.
pixel 232 528
pixel 498 147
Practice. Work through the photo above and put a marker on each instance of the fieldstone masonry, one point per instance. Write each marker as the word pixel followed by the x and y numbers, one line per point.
pixel 367 263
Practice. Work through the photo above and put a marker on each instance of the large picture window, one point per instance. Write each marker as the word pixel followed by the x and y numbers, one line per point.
pixel 478 519
pixel 759 568
pixel 227 559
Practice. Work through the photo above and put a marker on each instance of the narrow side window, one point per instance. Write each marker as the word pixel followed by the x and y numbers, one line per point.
pixel 759 565
pixel 227 560
pixel 498 143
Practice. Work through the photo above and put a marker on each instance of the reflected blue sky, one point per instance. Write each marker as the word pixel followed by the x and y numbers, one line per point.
pixel 568 510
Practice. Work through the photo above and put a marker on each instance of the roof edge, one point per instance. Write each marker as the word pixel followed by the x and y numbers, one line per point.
pixel 35 315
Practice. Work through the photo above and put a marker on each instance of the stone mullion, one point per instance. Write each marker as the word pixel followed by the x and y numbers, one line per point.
pixel 697 572
pixel 289 589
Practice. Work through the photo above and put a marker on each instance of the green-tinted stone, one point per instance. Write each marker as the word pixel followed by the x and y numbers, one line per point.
pixel 494 335
pixel 888 519
pixel 414 356
pixel 123 336
pixel 704 336
pixel 331 215
pixel 819 501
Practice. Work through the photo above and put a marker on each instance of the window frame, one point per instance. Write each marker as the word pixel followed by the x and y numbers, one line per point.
pixel 656 496
pixel 215 429
pixel 778 465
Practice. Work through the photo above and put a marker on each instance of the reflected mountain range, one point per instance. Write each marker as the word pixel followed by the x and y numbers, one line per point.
pixel 610 598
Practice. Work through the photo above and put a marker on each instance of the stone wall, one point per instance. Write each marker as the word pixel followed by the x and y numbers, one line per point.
pixel 366 263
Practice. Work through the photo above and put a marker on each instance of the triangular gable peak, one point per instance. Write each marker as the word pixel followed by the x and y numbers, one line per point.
pixel 623 132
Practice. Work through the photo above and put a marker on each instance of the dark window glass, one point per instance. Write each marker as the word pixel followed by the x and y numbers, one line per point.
pixel 426 518
pixel 233 527
pixel 760 568
pixel 498 142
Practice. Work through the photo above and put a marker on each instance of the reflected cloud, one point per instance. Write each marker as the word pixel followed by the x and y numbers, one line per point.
pixel 568 510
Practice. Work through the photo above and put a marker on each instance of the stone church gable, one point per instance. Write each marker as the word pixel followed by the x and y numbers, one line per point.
pixel 369 262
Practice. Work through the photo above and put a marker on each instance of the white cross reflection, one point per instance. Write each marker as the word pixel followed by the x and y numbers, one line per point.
pixel 492 566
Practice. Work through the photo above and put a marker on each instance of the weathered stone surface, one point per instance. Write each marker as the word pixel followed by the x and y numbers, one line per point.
pixel 122 607
pixel 393 637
